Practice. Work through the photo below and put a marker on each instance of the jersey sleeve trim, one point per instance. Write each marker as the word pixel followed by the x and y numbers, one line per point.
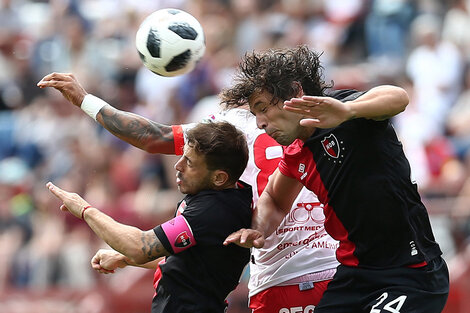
pixel 178 233
pixel 163 239
pixel 284 169
pixel 178 138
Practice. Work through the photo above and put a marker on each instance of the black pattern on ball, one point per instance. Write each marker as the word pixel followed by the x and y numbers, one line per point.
pixel 184 30
pixel 153 43
pixel 179 61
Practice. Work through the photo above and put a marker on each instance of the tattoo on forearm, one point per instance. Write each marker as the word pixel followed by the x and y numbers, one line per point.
pixel 135 128
pixel 151 246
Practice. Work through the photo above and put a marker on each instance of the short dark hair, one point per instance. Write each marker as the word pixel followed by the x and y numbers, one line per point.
pixel 276 71
pixel 223 146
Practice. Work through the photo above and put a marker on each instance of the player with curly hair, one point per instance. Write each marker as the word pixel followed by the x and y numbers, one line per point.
pixel 348 154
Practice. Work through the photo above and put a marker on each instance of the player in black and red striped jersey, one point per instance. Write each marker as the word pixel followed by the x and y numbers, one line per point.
pixel 348 154
pixel 199 271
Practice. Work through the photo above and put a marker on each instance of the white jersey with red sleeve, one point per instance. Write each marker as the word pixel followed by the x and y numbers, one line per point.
pixel 300 245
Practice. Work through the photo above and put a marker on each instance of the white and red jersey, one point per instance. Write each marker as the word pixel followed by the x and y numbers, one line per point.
pixel 300 245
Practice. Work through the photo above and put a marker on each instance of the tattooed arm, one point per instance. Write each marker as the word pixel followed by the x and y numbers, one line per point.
pixel 107 261
pixel 139 246
pixel 132 128
pixel 137 130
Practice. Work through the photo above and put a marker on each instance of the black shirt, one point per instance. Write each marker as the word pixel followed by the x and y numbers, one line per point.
pixel 200 278
pixel 360 173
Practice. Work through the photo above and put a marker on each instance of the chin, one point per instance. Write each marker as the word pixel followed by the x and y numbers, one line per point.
pixel 284 141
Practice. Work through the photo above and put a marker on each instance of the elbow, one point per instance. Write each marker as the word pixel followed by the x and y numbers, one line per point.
pixel 403 99
pixel 398 99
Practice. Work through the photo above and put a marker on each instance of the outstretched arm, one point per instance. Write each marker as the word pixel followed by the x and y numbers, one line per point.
pixel 139 246
pixel 132 128
pixel 378 103
pixel 274 203
pixel 106 261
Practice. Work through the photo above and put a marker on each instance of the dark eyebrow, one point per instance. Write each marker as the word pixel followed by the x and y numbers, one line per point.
pixel 185 156
pixel 255 106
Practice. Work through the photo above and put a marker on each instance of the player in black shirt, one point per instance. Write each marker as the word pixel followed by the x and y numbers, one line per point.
pixel 342 146
pixel 199 271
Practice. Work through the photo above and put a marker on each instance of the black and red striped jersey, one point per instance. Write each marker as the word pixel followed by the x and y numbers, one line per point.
pixel 360 173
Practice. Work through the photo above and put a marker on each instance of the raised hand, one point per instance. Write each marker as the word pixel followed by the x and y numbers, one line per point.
pixel 67 84
pixel 71 202
pixel 323 112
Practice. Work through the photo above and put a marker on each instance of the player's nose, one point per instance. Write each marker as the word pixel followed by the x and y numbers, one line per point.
pixel 261 121
pixel 179 164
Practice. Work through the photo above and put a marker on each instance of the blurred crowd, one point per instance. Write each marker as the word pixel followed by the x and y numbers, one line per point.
pixel 421 45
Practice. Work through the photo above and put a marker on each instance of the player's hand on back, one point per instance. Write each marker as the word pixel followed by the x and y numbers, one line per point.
pixel 246 238
pixel 67 84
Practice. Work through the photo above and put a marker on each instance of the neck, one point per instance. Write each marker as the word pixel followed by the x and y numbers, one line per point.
pixel 226 186
pixel 306 132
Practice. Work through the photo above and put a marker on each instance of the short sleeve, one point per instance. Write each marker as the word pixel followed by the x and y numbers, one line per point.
pixel 175 235
pixel 178 138
pixel 284 169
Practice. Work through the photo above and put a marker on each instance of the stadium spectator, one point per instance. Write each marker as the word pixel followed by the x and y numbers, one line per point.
pixel 435 69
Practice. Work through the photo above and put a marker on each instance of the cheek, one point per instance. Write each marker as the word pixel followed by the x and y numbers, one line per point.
pixel 192 175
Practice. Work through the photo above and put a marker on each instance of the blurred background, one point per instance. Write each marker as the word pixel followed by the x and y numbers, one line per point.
pixel 421 45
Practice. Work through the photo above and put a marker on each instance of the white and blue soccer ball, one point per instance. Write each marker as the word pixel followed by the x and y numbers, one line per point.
pixel 170 42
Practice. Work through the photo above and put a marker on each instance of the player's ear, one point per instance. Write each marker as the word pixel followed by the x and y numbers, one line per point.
pixel 297 88
pixel 219 178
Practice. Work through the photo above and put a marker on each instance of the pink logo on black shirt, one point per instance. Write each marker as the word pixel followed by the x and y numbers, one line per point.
pixel 331 146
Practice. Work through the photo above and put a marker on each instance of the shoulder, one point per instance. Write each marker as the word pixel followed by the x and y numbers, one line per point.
pixel 292 155
pixel 220 200
pixel 294 149
pixel 220 208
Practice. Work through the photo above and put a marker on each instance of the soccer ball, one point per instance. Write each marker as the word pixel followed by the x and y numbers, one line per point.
pixel 170 42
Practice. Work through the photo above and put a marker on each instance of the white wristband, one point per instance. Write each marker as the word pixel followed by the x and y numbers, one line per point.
pixel 91 105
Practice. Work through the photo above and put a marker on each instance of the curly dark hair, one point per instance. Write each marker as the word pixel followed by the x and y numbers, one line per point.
pixel 278 71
